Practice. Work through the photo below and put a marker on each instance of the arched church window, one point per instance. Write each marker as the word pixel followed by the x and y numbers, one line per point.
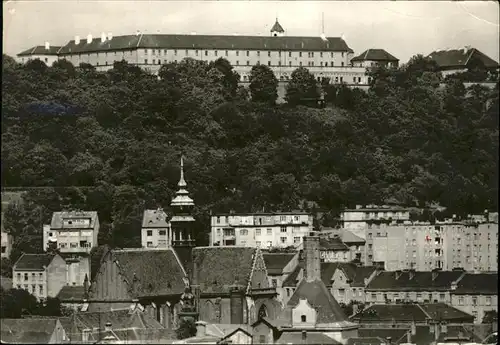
pixel 262 311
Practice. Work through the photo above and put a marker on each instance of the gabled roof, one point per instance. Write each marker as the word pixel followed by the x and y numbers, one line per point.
pixel 349 238
pixel 119 319
pixel 354 273
pixel 381 313
pixel 333 244
pixel 40 50
pixel 402 281
pixel 375 55
pixel 478 283
pixel 212 42
pixel 460 58
pixel 318 296
pixel 288 337
pixel 33 262
pixel 276 262
pixel 277 27
pixel 27 331
pixel 71 293
pixel 155 219
pixel 293 278
pixel 218 268
pixel 157 272
pixel 57 219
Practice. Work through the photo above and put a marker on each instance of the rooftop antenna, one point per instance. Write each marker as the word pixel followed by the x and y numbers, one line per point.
pixel 322 23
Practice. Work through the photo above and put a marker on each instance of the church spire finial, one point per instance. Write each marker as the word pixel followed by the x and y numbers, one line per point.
pixel 182 182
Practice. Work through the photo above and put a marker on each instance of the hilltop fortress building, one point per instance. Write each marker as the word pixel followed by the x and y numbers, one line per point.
pixel 325 57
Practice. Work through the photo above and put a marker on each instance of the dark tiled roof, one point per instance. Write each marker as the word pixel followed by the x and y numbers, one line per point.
pixel 311 338
pixel 354 273
pixel 423 335
pixel 276 262
pixel 217 268
pixel 479 283
pixel 458 333
pixel 411 312
pixel 459 57
pixel 155 219
pixel 375 55
pixel 221 42
pixel 158 271
pixel 33 262
pixel 71 293
pixel 334 244
pixel 327 271
pixel 185 255
pixel 318 296
pixel 366 341
pixel 391 312
pixel 442 311
pixel 27 331
pixel 57 219
pixel 119 319
pixel 40 50
pixel 293 278
pixel 420 281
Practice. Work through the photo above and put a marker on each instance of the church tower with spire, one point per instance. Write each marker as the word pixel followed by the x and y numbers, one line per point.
pixel 182 220
pixel 277 30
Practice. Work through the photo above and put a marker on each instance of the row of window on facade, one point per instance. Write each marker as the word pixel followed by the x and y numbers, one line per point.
pixel 161 244
pixel 82 244
pixel 237 52
pixel 310 63
pixel 32 290
pixel 258 232
pixel 149 233
pixel 269 244
pixel 268 219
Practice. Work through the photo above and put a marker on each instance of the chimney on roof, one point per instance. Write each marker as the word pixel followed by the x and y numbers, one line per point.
pixel 358 207
pixel 411 274
pixel 107 327
pixel 408 337
pixel 86 286
pixel 47 45
pixel 413 328
pixel 435 273
pixel 137 33
pixel 103 37
pixel 304 336
pixel 89 38
pixel 110 35
pixel 312 257
pixel 77 39
pixel 389 340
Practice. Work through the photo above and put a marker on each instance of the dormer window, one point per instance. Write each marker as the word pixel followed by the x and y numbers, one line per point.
pixel 303 318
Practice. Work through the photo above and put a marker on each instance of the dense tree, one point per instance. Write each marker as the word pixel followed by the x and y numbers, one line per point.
pixel 302 86
pixel 111 141
pixel 263 84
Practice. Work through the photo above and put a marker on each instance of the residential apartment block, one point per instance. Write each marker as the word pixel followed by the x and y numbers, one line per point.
pixel 72 231
pixel 262 230
pixel 363 217
pixel 74 234
pixel 325 57
pixel 424 246
pixel 42 275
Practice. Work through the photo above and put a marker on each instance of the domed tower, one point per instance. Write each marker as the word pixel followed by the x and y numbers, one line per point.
pixel 182 220
pixel 277 29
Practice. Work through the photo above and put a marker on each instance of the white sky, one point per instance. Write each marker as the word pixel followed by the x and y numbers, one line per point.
pixel 403 28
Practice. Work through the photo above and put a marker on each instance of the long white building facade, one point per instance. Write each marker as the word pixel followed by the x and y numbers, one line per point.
pixel 325 57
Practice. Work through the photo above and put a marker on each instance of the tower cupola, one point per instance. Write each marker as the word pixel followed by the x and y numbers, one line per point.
pixel 277 30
